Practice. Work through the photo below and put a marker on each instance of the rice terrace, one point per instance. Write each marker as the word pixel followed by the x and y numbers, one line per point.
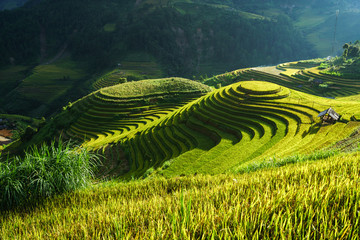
pixel 146 131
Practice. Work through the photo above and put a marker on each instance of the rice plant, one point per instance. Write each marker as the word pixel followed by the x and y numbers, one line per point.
pixel 274 162
pixel 313 200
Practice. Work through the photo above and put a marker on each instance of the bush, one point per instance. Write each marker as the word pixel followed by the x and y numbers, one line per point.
pixel 43 172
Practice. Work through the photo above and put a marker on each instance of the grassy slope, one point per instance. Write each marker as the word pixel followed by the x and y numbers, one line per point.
pixel 135 66
pixel 107 113
pixel 45 85
pixel 319 25
pixel 10 78
pixel 316 200
pixel 307 137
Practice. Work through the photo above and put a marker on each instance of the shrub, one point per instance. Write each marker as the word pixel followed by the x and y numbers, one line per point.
pixel 148 172
pixel 43 172
pixel 324 66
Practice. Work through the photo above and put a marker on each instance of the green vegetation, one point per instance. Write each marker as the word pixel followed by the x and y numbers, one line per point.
pixel 10 78
pixel 317 21
pixel 176 33
pixel 228 128
pixel 44 89
pixel 172 132
pixel 274 162
pixel 144 88
pixel 238 155
pixel 107 115
pixel 315 200
pixel 319 77
pixel 143 40
pixel 18 124
pixel 346 66
pixel 44 172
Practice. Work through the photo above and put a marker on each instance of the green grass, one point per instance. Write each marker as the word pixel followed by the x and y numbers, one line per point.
pixel 275 162
pixel 315 200
pixel 47 82
pixel 10 78
pixel 43 172
pixel 44 87
pixel 153 87
pixel 134 67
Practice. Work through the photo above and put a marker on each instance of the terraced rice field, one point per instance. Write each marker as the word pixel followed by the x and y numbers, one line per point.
pixel 10 78
pixel 225 129
pixel 53 80
pixel 110 114
pixel 298 79
pixel 304 76
pixel 110 79
pixel 146 126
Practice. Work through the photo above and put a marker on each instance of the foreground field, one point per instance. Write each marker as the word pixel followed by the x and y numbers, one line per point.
pixel 317 200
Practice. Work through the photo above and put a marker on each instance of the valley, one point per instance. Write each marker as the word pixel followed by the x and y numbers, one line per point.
pixel 174 119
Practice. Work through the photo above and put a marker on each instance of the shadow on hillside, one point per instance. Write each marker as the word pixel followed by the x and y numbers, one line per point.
pixel 313 129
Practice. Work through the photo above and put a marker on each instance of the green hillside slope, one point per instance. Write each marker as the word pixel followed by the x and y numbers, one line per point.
pixel 110 113
pixel 233 125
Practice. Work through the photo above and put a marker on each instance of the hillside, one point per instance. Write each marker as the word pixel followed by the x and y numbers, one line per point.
pixel 196 160
pixel 119 109
pixel 143 39
pixel 153 39
pixel 184 36
pixel 223 130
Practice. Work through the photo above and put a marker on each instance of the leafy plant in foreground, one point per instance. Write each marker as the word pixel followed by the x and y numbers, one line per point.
pixel 43 172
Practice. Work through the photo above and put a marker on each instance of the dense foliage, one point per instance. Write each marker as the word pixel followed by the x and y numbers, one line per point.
pixel 43 172
pixel 183 36
pixel 347 65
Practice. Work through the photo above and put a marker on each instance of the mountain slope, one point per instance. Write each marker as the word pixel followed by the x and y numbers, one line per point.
pixel 177 38
pixel 182 35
